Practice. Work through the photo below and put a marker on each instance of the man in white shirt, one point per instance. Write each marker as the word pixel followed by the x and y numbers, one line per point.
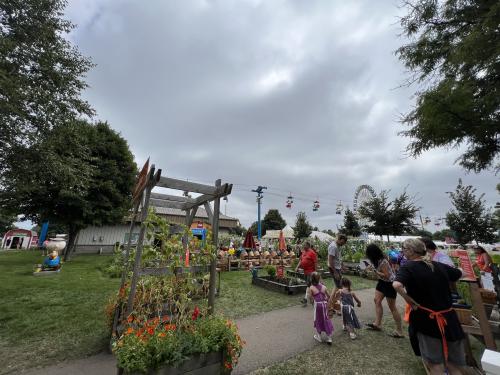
pixel 335 258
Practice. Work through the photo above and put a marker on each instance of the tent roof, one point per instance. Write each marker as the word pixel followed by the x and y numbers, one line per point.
pixel 275 234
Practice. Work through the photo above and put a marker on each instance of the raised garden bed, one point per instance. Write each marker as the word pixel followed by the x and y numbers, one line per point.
pixel 325 274
pixel 285 285
pixel 199 364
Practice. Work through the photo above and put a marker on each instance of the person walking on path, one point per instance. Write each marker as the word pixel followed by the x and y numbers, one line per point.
pixel 335 266
pixel 322 323
pixel 383 290
pixel 424 285
pixel 309 263
pixel 347 298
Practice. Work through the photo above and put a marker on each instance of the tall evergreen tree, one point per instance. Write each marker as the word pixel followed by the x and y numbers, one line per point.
pixel 351 226
pixel 273 220
pixel 453 54
pixel 302 228
pixel 469 219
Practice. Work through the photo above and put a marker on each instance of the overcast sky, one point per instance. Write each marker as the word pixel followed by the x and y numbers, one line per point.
pixel 300 96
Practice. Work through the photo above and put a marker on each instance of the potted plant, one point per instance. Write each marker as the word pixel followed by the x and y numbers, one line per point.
pixel 170 330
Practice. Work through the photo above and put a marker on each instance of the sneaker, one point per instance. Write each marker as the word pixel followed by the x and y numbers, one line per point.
pixel 352 335
pixel 329 341
pixel 317 338
pixel 344 328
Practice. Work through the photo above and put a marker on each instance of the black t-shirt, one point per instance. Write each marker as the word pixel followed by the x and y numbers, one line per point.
pixel 431 290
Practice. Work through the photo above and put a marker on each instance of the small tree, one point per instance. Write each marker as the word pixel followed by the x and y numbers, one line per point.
pixel 402 215
pixel 378 212
pixel 386 217
pixel 469 220
pixel 272 221
pixel 302 228
pixel 351 226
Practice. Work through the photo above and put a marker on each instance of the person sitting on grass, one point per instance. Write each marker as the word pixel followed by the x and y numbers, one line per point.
pixel 52 262
pixel 319 294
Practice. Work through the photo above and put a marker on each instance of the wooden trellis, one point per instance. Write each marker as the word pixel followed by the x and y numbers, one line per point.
pixel 142 197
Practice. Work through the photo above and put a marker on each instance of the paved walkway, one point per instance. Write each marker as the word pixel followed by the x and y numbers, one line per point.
pixel 270 338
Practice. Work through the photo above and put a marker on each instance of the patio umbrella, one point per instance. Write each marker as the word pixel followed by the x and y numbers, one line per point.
pixel 249 242
pixel 282 243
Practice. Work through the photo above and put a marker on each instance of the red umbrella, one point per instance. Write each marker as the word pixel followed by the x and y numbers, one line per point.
pixel 282 243
pixel 249 242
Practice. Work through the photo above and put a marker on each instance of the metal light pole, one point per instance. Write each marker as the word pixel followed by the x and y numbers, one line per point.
pixel 259 198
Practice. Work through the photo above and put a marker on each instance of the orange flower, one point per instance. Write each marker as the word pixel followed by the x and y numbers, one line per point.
pixel 170 327
pixel 130 319
pixel 151 330
pixel 129 331
pixel 165 318
pixel 162 334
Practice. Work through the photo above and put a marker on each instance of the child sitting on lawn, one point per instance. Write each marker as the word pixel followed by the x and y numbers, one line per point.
pixel 319 293
pixel 347 298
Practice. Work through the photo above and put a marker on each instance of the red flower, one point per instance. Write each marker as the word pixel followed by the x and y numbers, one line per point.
pixel 151 330
pixel 196 313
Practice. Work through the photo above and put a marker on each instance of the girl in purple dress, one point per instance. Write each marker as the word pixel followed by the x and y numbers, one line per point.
pixel 319 293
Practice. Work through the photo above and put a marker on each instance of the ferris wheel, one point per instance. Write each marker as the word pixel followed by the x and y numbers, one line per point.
pixel 363 194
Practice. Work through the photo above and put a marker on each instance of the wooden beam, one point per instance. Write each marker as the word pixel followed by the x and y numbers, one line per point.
pixel 168 204
pixel 174 198
pixel 192 214
pixel 210 215
pixel 172 183
pixel 215 239
pixel 223 191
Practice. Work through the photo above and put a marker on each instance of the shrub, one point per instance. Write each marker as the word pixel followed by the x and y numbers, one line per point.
pixel 271 270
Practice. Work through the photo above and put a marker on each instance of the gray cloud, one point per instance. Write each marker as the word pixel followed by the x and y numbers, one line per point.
pixel 299 96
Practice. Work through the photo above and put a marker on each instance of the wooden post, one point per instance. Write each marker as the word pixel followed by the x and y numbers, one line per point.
pixel 140 243
pixel 125 264
pixel 477 303
pixel 215 239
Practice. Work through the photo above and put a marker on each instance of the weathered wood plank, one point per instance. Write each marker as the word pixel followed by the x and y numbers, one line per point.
pixel 175 198
pixel 225 190
pixel 210 214
pixel 172 183
pixel 167 204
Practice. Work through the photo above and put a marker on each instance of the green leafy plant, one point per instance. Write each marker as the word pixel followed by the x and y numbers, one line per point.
pixel 169 321
pixel 271 271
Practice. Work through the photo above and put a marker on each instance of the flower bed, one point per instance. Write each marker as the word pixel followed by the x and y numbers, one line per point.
pixel 170 330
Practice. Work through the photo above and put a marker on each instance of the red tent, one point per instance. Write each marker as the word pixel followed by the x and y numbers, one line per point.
pixel 249 242
pixel 282 243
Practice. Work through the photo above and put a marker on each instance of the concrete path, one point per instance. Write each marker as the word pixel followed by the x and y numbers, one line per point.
pixel 270 338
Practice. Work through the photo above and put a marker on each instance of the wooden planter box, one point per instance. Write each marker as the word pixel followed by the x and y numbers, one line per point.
pixel 201 364
pixel 265 282
pixel 325 274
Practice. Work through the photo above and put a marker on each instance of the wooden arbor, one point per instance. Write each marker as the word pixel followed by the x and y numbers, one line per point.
pixel 143 197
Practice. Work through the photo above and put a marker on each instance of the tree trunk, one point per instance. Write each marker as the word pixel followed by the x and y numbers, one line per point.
pixel 388 239
pixel 72 232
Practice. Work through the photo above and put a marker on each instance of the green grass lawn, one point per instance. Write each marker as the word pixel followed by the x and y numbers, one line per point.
pixel 239 298
pixel 47 319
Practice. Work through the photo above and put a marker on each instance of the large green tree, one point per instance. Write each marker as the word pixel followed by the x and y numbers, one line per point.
pixel 441 235
pixel 82 174
pixel 351 226
pixel 6 221
pixel 389 217
pixel 453 54
pixel 41 75
pixel 273 220
pixel 470 220
pixel 302 228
